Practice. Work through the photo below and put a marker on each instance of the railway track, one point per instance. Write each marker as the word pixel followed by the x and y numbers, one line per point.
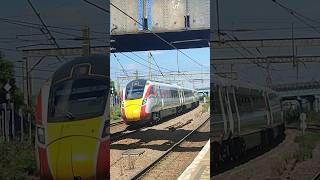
pixel 116 123
pixel 316 177
pixel 153 165
pixel 121 134
pixel 310 127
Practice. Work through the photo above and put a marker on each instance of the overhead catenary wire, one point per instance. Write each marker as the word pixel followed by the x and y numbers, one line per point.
pixel 298 16
pixel 39 78
pixel 39 27
pixel 137 61
pixel 159 67
pixel 156 63
pixel 44 24
pixel 244 30
pixel 46 28
pixel 36 69
pixel 151 68
pixel 135 54
pixel 123 69
pixel 50 26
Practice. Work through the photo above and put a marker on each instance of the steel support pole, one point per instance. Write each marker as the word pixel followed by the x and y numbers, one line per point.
pixel 6 122
pixel 21 124
pixel 12 120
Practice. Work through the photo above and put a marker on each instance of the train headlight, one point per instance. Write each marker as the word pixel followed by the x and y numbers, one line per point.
pixel 41 135
pixel 144 101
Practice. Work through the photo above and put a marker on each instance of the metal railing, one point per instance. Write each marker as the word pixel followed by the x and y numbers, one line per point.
pixel 14 124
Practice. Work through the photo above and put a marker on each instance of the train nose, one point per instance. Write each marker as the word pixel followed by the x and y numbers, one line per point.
pixel 132 112
pixel 73 158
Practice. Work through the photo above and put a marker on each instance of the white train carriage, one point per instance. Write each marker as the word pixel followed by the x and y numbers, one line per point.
pixel 244 117
pixel 145 100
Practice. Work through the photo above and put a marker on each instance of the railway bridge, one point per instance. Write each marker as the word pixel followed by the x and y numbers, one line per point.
pixel 309 91
pixel 205 91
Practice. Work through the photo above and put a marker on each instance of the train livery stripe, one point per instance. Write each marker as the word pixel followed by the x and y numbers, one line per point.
pixel 44 164
pixel 102 170
pixel 123 114
pixel 39 109
pixel 147 92
pixel 143 113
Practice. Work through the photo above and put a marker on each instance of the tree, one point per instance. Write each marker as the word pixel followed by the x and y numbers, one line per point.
pixel 7 76
pixel 112 86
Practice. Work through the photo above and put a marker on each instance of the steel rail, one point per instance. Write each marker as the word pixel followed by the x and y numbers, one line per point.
pixel 152 164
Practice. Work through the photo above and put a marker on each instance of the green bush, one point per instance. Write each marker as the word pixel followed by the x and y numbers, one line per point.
pixel 306 145
pixel 115 113
pixel 17 160
pixel 313 117
pixel 205 106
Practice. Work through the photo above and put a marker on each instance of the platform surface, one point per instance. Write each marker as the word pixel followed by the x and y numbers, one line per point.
pixel 199 169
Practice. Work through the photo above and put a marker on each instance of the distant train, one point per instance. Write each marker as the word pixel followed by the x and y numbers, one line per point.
pixel 72 121
pixel 144 101
pixel 244 117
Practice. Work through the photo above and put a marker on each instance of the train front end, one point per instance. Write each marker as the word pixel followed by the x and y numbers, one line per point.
pixel 72 121
pixel 136 102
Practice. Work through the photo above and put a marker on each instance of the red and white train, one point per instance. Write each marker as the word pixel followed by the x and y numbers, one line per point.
pixel 145 100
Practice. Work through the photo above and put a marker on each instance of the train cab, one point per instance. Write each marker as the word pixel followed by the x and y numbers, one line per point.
pixel 72 121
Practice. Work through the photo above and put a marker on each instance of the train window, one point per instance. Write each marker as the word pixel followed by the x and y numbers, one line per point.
pixel 81 70
pixel 77 99
pixel 135 89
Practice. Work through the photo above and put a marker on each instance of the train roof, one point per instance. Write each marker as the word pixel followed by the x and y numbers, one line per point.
pixel 164 84
pixel 100 65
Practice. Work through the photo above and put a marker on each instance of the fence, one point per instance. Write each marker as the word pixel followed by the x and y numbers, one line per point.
pixel 14 124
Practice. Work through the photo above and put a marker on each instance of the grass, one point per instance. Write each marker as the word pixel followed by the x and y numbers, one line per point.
pixel 17 160
pixel 306 144
pixel 292 116
pixel 115 113
pixel 313 117
pixel 205 106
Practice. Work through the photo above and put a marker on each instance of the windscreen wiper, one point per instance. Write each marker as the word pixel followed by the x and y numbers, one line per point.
pixel 69 115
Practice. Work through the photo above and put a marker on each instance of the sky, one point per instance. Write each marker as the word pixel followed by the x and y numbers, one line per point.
pixel 266 19
pixel 167 61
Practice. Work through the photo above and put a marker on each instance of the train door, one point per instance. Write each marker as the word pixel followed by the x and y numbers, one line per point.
pixel 180 97
pixel 183 97
pixel 268 109
pixel 161 97
pixel 217 121
pixel 223 109
pixel 236 109
pixel 230 112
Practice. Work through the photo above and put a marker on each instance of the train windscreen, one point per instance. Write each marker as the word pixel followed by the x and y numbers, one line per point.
pixel 77 99
pixel 134 89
